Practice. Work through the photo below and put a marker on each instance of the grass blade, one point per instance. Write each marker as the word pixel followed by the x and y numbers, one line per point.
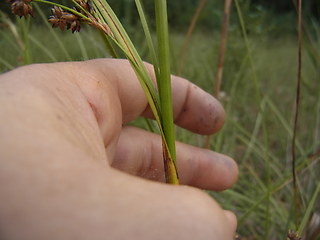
pixel 309 209
pixel 148 36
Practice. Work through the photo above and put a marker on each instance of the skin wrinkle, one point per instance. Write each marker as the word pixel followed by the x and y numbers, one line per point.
pixel 89 85
pixel 61 94
pixel 91 119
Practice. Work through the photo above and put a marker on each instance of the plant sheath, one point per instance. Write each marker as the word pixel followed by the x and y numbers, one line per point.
pixel 164 88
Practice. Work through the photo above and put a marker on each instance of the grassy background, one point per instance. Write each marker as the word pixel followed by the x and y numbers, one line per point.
pixel 258 95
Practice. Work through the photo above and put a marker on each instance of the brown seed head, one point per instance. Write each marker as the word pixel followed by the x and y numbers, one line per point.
pixel 75 26
pixel 57 11
pixel 86 5
pixel 56 18
pixel 22 8
pixel 63 20
pixel 293 236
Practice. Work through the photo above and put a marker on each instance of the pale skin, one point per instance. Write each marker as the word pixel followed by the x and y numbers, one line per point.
pixel 71 169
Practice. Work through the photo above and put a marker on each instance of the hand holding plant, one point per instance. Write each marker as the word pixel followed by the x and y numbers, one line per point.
pixel 133 150
pixel 60 170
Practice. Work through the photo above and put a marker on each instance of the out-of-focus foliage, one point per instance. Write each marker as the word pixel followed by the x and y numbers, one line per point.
pixel 263 15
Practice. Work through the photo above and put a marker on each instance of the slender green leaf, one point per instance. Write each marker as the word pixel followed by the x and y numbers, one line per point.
pixel 309 209
pixel 147 33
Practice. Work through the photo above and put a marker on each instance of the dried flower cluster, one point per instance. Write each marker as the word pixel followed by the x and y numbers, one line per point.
pixel 63 20
pixel 22 8
pixel 293 236
pixel 85 5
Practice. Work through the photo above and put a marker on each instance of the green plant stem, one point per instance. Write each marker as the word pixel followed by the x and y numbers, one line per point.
pixel 165 84
pixel 65 8
pixel 24 31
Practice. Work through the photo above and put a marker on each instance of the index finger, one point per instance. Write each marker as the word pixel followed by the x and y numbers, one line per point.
pixel 193 108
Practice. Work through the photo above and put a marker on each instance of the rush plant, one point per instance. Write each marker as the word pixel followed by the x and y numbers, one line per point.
pixel 100 15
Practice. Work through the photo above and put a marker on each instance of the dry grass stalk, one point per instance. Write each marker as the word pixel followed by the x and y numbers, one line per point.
pixel 222 50
pixel 192 25
pixel 296 115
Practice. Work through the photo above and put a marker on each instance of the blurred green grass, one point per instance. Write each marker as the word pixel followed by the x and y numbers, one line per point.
pixel 257 131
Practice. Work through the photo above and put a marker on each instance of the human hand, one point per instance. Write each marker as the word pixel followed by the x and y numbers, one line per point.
pixel 63 139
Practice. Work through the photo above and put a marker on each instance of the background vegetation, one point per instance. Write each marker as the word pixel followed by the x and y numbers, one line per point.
pixel 258 92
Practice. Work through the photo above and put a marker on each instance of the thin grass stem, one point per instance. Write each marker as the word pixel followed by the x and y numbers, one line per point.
pixel 222 49
pixel 296 115
pixel 164 86
pixel 148 36
pixel 184 48
pixel 24 25
pixel 309 209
